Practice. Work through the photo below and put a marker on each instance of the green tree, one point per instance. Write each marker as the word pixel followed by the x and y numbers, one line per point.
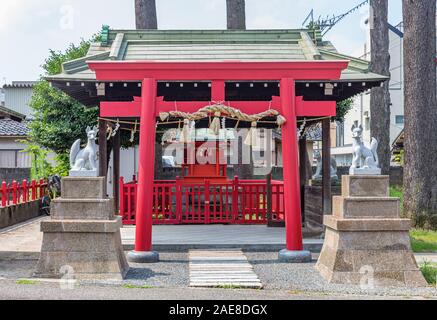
pixel 343 107
pixel 58 119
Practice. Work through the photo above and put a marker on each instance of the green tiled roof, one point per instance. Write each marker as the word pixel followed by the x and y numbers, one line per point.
pixel 212 45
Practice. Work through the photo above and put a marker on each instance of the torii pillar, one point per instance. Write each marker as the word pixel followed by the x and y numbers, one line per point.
pixel 293 220
pixel 143 232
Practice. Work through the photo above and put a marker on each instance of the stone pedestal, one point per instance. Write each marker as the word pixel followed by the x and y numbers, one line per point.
pixel 366 240
pixel 83 234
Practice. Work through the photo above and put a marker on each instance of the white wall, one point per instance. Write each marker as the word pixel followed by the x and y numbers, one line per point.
pixel 17 99
pixel 10 155
pixel 128 166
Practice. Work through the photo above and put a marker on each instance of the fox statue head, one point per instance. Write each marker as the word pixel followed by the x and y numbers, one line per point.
pixel 357 131
pixel 91 133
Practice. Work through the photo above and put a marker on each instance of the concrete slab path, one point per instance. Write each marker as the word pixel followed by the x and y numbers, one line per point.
pixel 221 268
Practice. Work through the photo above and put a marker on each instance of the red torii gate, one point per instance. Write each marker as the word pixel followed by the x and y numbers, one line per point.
pixel 148 107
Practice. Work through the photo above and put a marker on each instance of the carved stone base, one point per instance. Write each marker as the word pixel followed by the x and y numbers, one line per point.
pixel 83 235
pixel 366 241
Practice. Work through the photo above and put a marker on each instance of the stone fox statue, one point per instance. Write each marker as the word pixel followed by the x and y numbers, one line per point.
pixel 363 156
pixel 85 159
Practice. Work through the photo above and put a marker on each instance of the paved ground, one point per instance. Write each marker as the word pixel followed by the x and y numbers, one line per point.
pixel 28 238
pixel 40 290
pixel 169 279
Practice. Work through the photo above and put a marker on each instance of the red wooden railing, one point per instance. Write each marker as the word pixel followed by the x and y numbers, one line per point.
pixel 15 193
pixel 234 202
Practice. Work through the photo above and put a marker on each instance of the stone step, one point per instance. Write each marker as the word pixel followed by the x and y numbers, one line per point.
pixel 83 187
pixel 82 209
pixel 365 207
pixel 365 186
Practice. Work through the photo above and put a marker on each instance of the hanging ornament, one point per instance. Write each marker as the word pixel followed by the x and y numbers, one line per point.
pixel 108 131
pixel 164 116
pixel 185 136
pixel 132 133
pixel 215 124
pixel 280 120
pixel 301 128
pixel 252 138
pixel 114 132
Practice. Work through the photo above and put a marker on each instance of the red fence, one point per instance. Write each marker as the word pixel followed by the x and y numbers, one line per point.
pixel 233 202
pixel 15 193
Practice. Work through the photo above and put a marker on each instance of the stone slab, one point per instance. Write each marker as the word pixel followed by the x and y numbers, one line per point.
pixel 294 256
pixel 82 226
pixel 82 265
pixel 370 280
pixel 83 173
pixel 365 186
pixel 83 209
pixel 83 187
pixel 364 171
pixel 367 224
pixel 366 207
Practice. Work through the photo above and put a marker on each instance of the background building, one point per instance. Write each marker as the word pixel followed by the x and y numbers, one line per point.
pixel 360 113
pixel 14 115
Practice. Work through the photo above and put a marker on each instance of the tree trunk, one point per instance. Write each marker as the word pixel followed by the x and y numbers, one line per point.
pixel 380 97
pixel 420 171
pixel 236 14
pixel 145 14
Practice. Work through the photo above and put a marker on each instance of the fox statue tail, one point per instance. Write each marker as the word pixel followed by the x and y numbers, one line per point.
pixel 374 148
pixel 75 148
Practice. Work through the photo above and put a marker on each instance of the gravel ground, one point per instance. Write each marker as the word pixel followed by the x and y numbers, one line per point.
pixel 303 277
pixel 171 271
pixel 171 276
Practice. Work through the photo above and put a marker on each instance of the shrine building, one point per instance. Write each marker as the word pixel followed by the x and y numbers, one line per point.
pixel 144 81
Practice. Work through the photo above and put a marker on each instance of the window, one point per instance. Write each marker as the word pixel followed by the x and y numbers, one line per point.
pixel 367 124
pixel 399 120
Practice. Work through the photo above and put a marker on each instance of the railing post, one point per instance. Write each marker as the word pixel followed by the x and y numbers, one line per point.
pixel 235 199
pixel 24 184
pixel 41 191
pixel 207 202
pixel 33 186
pixel 121 198
pixel 4 194
pixel 14 192
pixel 178 200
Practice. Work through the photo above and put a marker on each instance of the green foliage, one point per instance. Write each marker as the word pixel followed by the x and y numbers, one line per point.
pixel 343 107
pixel 53 64
pixel 397 192
pixel 423 240
pixel 429 271
pixel 58 119
pixel 40 168
pixel 26 282
pixel 132 286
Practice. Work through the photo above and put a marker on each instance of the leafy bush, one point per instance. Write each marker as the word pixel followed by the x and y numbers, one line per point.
pixel 429 272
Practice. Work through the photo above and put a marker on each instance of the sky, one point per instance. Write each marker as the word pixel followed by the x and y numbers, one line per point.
pixel 30 28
